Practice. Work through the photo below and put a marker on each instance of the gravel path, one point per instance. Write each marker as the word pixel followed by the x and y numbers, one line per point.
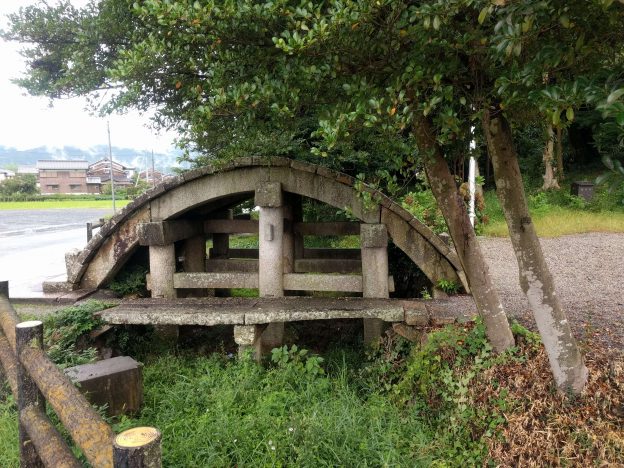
pixel 589 278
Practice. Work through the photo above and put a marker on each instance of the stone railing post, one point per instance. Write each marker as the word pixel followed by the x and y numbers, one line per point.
pixel 374 245
pixel 269 198
pixel 194 249
pixel 221 242
pixel 162 264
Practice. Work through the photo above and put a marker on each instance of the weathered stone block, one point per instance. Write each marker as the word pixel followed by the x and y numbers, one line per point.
pixel 373 330
pixel 269 195
pixel 115 382
pixel 408 332
pixel 55 287
pixel 167 232
pixel 373 235
pixel 416 313
pixel 303 166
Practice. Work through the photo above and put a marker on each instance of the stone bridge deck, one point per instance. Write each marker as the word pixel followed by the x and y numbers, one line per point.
pixel 255 319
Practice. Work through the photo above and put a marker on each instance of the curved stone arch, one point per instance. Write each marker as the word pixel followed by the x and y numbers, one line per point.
pixel 214 187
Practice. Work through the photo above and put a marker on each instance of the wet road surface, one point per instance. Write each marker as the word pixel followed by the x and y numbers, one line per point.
pixel 33 245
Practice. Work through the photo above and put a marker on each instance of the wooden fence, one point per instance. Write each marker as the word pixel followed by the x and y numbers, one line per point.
pixel 34 380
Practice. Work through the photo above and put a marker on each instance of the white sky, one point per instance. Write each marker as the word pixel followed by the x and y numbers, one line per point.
pixel 29 122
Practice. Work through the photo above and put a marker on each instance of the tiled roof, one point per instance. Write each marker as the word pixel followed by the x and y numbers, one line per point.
pixel 62 164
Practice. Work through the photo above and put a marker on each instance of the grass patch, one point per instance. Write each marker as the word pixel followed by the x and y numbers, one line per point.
pixel 563 221
pixel 9 451
pixel 61 204
pixel 447 402
pixel 556 213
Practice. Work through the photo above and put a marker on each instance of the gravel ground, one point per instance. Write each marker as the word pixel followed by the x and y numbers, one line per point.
pixel 589 278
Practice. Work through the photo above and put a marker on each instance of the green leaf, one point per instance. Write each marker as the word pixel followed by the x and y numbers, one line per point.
pixel 436 22
pixel 620 119
pixel 565 21
pixel 483 14
pixel 607 161
pixel 556 117
pixel 615 95
pixel 570 114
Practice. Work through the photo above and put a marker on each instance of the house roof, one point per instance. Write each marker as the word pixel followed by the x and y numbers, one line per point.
pixel 106 163
pixel 62 164
pixel 26 170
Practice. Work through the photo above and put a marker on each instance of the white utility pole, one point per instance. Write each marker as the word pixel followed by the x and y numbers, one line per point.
pixel 110 156
pixel 153 172
pixel 472 179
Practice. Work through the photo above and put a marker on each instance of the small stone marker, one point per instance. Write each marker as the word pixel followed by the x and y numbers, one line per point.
pixel 115 382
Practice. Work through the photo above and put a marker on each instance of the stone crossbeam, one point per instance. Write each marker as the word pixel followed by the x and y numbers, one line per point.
pixel 251 311
pixel 167 232
pixel 215 280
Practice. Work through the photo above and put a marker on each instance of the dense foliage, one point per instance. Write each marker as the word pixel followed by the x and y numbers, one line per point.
pixel 444 402
pixel 19 186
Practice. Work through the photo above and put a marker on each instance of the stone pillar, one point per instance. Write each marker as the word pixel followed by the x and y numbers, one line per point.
pixel 271 256
pixel 221 247
pixel 271 240
pixel 247 337
pixel 162 267
pixel 374 244
pixel 288 242
pixel 296 203
pixel 221 242
pixel 194 253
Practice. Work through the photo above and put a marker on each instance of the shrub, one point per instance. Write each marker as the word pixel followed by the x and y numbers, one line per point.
pixel 131 280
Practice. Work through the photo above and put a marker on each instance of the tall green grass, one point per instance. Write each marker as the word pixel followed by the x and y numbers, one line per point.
pixel 556 213
pixel 395 405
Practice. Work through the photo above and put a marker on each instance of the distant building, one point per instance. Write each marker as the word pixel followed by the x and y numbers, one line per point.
pixel 63 176
pixel 99 172
pixel 6 174
pixel 28 170
pixel 152 177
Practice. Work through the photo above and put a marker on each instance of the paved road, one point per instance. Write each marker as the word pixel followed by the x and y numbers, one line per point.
pixel 33 245
pixel 19 222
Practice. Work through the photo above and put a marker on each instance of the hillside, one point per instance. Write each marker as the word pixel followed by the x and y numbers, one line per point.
pixel 127 156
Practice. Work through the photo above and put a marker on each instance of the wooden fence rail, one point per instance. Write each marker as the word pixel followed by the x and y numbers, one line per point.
pixel 91 226
pixel 34 380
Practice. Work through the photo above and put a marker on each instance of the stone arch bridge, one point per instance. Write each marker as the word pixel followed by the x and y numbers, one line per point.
pixel 174 220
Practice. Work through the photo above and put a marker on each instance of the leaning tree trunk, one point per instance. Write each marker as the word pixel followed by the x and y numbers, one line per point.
pixel 559 152
pixel 452 206
pixel 565 358
pixel 550 181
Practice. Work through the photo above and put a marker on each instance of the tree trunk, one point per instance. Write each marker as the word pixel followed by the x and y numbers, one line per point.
pixel 452 206
pixel 559 152
pixel 550 181
pixel 565 358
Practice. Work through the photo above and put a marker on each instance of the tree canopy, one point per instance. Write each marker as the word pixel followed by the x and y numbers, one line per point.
pixel 329 78
pixel 376 84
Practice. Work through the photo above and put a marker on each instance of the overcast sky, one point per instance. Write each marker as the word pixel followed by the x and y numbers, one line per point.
pixel 29 122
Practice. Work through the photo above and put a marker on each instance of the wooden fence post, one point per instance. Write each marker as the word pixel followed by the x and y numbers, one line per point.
pixel 28 334
pixel 137 448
